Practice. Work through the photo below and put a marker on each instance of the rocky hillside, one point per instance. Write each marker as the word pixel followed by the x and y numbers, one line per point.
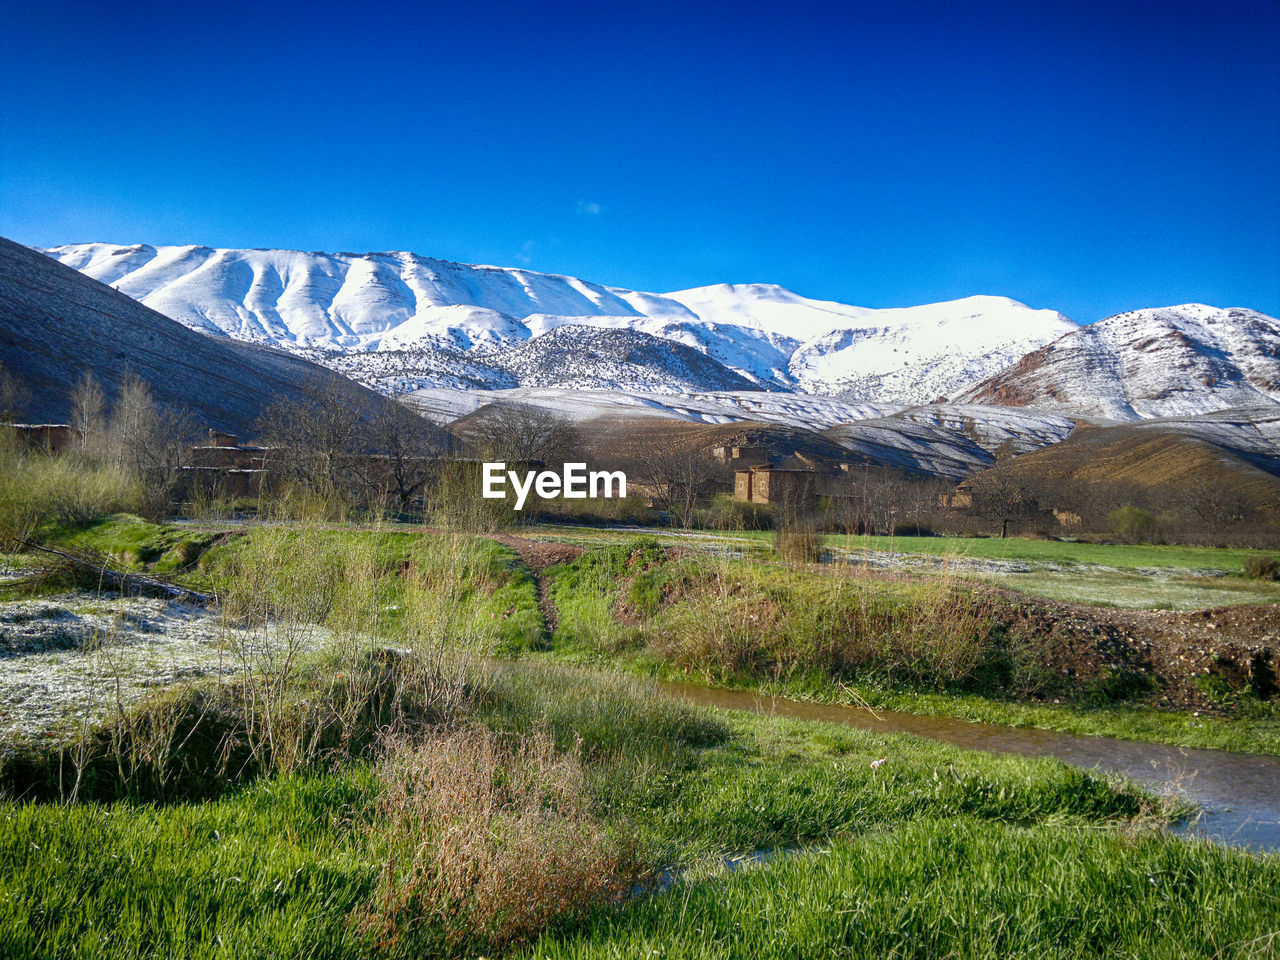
pixel 1172 361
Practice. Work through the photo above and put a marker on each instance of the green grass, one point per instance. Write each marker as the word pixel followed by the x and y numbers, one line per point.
pixel 932 848
pixel 1139 577
pixel 274 868
pixel 1139 591
pixel 959 889
pixel 765 627
pixel 1124 556
pixel 1119 555
pixel 1244 733
pixel 270 872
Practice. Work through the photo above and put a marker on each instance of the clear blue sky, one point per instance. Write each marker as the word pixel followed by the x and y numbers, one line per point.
pixel 1088 157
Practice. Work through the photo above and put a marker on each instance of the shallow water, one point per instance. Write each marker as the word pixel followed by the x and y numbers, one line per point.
pixel 1239 792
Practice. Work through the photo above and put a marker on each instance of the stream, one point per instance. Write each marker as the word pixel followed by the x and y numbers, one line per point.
pixel 1239 792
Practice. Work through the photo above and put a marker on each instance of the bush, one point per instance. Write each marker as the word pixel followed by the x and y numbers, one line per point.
pixel 493 840
pixel 1262 568
pixel 797 545
pixel 1131 523
pixel 728 513
pixel 40 488
pixel 912 530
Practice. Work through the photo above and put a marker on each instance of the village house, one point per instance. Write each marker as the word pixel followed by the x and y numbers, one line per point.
pixel 50 437
pixel 225 464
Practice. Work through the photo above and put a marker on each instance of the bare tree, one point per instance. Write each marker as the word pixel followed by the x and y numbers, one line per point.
pixel 676 473
pixel 315 437
pixel 521 431
pixel 150 440
pixel 15 397
pixel 408 454
pixel 1004 496
pixel 89 412
pixel 1215 501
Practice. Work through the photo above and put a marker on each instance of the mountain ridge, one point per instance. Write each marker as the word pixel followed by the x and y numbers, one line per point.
pixel 343 303
pixel 400 321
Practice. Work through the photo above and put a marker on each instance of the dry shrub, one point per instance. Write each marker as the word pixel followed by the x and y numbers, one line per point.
pixel 494 840
pixel 1262 568
pixel 797 545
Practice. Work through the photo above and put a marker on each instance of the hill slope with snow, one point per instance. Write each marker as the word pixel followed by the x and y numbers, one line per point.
pixel 1165 362
pixel 443 324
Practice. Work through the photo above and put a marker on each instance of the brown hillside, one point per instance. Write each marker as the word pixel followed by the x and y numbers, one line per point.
pixel 1154 459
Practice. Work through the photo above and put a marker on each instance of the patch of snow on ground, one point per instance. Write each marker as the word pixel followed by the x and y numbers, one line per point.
pixel 69 660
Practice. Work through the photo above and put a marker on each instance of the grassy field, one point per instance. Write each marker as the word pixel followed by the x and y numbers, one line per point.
pixel 1127 576
pixel 277 866
pixel 397 793
pixel 1124 556
pixel 994 893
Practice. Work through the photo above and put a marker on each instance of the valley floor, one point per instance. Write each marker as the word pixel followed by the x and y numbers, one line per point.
pixel 235 793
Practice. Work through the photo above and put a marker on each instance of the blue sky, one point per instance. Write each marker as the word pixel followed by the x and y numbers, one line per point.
pixel 1090 158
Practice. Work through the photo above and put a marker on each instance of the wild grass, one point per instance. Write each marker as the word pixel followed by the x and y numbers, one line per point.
pixel 465 837
pixel 393 794
pixel 722 619
pixel 39 489
pixel 958 888
pixel 925 645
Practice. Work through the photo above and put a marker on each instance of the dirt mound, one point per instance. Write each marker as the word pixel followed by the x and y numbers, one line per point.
pixel 538 556
pixel 1200 660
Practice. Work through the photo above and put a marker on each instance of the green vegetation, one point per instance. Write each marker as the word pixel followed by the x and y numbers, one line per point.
pixel 1125 556
pixel 364 783
pixel 958 888
pixel 626 779
pixel 923 645
pixel 39 490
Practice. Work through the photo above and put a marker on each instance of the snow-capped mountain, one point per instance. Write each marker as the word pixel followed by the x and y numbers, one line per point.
pixel 1166 362
pixel 402 321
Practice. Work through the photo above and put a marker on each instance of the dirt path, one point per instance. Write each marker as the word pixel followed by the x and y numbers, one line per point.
pixel 538 556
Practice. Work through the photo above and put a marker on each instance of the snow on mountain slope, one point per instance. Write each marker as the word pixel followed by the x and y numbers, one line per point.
pixel 696 406
pixel 330 305
pixel 770 308
pixel 951 440
pixel 1166 362
pixel 905 354
pixel 56 324
pixel 922 353
pixel 341 300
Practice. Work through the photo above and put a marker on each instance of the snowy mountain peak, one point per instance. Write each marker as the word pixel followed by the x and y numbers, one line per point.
pixel 399 320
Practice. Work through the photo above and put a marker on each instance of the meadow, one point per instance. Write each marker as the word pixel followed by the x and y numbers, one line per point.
pixel 400 755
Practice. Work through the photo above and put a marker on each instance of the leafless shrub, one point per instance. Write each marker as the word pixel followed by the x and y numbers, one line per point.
pixel 494 841
pixel 521 432
pixel 798 544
